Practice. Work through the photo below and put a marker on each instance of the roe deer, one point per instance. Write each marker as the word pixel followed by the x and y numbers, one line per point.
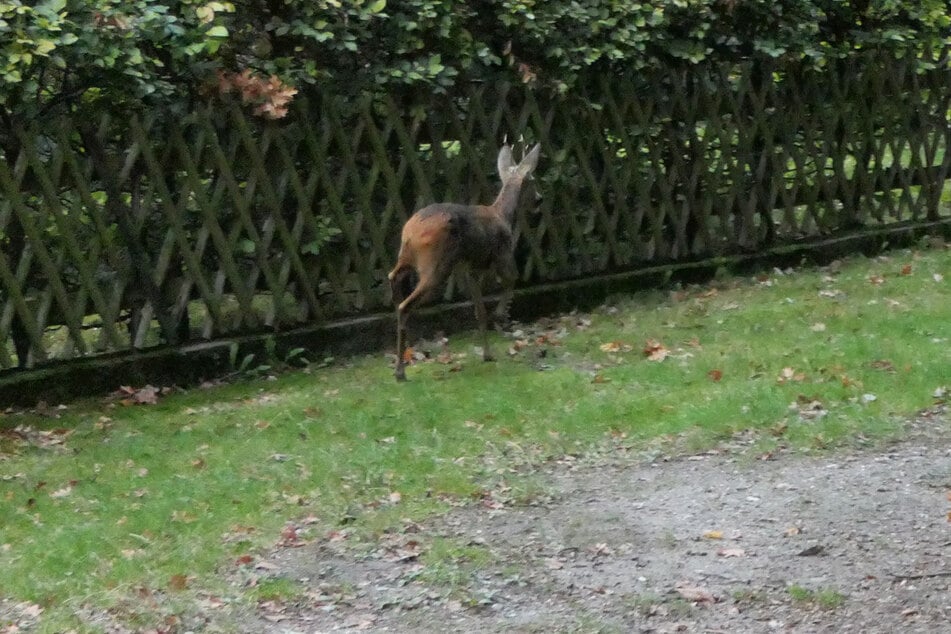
pixel 444 237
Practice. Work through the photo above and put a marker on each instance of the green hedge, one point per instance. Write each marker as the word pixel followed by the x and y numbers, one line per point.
pixel 107 54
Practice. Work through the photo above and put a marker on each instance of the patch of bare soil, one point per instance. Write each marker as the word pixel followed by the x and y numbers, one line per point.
pixel 852 541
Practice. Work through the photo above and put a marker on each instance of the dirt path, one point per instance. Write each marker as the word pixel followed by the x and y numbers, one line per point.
pixel 856 541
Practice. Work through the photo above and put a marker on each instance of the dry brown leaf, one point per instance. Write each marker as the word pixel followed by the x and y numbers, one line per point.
pixel 655 350
pixel 694 593
pixel 715 375
pixel 178 582
pixel 147 395
pixel 790 375
pixel 905 269
pixel 809 407
pixel 731 552
pixel 63 492
pixel 408 551
pixel 877 280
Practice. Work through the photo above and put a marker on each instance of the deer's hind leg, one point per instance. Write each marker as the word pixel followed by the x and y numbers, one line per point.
pixel 432 275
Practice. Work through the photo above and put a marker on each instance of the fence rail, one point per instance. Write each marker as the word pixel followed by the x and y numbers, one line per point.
pixel 125 234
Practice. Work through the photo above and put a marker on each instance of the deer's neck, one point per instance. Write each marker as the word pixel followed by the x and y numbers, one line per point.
pixel 507 199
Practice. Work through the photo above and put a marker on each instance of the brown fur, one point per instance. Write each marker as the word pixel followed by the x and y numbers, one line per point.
pixel 444 237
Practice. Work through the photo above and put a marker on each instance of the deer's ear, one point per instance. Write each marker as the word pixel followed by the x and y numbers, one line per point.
pixel 528 164
pixel 505 162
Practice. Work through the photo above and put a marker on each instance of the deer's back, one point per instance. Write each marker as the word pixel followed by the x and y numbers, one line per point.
pixel 471 233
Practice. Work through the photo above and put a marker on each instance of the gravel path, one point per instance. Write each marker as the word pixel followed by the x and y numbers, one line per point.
pixel 850 541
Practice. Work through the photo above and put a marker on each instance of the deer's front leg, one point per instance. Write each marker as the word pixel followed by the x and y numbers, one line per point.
pixel 508 274
pixel 475 289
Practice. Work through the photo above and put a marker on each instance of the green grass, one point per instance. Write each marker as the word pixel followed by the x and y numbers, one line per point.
pixel 824 598
pixel 135 498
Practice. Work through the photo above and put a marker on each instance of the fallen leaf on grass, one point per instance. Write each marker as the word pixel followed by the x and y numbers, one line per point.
pixel 183 516
pixel 147 395
pixel 600 378
pixel 715 375
pixel 809 408
pixel 64 491
pixel 877 280
pixel 46 438
pixel 290 538
pixel 212 602
pixel 655 350
pixel 337 536
pixel 178 582
pixel 615 346
pixel 905 269
pixel 789 375
pixel 883 364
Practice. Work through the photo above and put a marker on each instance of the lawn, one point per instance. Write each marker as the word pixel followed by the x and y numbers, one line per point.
pixel 146 515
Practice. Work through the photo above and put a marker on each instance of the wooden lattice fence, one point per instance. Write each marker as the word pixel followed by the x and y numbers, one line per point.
pixel 126 234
